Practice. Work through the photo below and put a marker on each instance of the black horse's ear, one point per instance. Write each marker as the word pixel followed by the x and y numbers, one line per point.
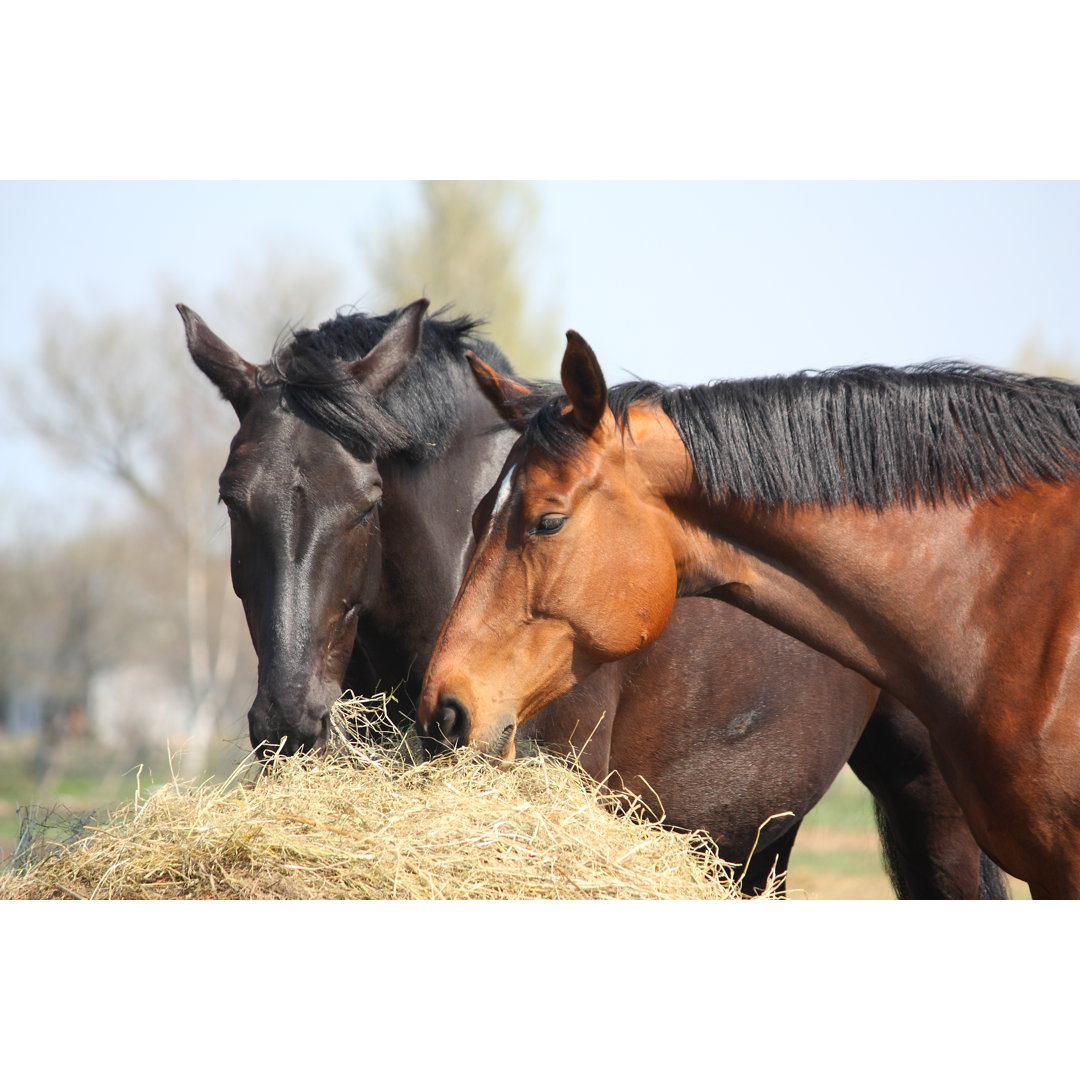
pixel 395 350
pixel 503 392
pixel 223 366
pixel 583 382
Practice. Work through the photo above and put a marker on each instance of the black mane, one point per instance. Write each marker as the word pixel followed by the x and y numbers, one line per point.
pixel 870 436
pixel 419 411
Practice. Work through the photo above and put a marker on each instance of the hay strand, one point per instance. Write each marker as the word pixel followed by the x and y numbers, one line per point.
pixel 370 821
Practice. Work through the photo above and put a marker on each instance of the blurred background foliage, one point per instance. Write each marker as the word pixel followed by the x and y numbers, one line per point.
pixel 470 248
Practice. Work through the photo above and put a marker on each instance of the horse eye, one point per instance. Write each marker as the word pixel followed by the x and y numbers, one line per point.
pixel 549 523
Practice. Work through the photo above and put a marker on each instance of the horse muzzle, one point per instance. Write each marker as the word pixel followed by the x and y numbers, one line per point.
pixel 274 728
pixel 451 725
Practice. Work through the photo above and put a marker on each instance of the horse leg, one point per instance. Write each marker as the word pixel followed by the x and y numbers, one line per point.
pixel 929 850
pixel 769 860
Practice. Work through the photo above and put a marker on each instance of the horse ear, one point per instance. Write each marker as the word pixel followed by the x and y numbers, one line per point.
pixel 502 391
pixel 583 382
pixel 395 350
pixel 223 366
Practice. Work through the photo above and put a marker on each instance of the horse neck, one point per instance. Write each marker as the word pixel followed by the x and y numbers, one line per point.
pixel 426 534
pixel 878 591
pixel 921 601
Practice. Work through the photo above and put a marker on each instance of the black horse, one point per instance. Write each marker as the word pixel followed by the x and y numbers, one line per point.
pixel 364 447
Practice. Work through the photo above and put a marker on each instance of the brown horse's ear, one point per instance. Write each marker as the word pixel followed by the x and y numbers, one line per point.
pixel 223 366
pixel 502 391
pixel 395 350
pixel 583 382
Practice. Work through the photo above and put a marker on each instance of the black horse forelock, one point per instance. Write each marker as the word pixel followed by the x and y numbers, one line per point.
pixel 418 412
pixel 871 436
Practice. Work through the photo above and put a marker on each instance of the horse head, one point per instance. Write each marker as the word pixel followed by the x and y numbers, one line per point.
pixel 572 567
pixel 302 488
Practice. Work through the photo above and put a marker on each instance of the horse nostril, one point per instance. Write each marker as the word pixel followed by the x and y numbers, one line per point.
pixel 451 721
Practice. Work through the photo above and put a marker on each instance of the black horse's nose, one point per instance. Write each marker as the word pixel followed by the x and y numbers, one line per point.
pixel 275 731
pixel 449 726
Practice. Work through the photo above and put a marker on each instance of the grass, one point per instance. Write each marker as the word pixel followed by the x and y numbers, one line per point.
pixel 837 854
pixel 847 806
pixel 77 777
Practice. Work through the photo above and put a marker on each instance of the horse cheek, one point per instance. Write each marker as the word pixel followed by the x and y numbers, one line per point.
pixel 657 602
pixel 634 610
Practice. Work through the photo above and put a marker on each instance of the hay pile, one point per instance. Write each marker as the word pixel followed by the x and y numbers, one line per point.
pixel 366 822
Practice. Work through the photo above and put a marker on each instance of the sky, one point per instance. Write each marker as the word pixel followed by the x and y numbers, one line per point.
pixel 672 281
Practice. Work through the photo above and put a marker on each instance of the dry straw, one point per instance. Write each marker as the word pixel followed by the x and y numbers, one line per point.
pixel 366 821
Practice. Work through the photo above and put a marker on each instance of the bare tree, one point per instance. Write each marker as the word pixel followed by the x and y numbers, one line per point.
pixel 1034 357
pixel 470 248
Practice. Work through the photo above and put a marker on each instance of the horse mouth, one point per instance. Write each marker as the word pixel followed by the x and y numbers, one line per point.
pixel 503 747
pixel 311 740
pixel 289 747
pixel 437 742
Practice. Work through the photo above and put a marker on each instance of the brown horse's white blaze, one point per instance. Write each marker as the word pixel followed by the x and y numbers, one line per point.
pixel 969 614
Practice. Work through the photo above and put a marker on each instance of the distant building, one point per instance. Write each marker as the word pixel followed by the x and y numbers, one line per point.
pixel 137 705
pixel 23 713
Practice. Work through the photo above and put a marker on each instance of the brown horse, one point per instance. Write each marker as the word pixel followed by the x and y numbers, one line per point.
pixel 922 526
pixel 362 450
